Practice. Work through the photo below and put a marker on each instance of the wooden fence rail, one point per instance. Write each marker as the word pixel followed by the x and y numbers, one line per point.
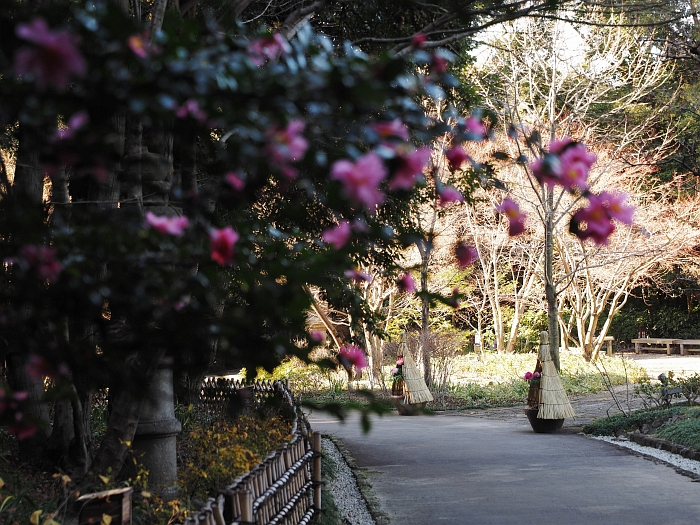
pixel 285 489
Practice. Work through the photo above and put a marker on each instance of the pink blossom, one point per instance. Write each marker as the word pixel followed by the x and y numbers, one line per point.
pixel 42 260
pixel 455 300
pixel 536 375
pixel 418 40
pixel 399 361
pixel 234 181
pixel 547 170
pixel 21 429
pixel 350 355
pixel 357 276
pixel 394 371
pixel 456 156
pixel 449 194
pixel 475 127
pixel 410 168
pixel 557 146
pixel 267 48
pixel 54 59
pixel 286 146
pixel 223 242
pixel 339 235
pixel 516 218
pixel 527 376
pixel 395 128
pixel 576 163
pixel 438 64
pixel 406 283
pixel 75 122
pixel 615 205
pixel 465 254
pixel 191 108
pixel 38 368
pixel 317 336
pixel 141 44
pixel 361 179
pixel 593 222
pixel 168 225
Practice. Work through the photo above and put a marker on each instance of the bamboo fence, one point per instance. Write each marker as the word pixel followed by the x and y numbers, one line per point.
pixel 285 489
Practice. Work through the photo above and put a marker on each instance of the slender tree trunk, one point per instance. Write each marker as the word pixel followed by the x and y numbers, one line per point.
pixel 549 285
pixel 124 417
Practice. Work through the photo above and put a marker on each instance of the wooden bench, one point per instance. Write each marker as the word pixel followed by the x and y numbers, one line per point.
pixel 685 343
pixel 608 341
pixel 654 344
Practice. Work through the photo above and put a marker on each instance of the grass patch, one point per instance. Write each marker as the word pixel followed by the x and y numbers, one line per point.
pixel 684 432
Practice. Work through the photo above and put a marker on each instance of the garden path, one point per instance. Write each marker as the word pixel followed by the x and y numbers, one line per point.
pixel 489 467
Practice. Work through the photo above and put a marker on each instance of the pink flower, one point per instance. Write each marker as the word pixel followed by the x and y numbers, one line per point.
pixel 357 276
pixel 339 235
pixel 38 368
pixel 394 371
pixel 21 429
pixel 234 181
pixel 223 242
pixel 317 336
pixel 191 108
pixel 548 170
pixel 438 64
pixel 449 194
pixel 456 156
pixel 399 361
pixel 286 146
pixel 141 44
pixel 536 375
pixel 576 162
pixel 361 179
pixel 395 128
pixel 75 122
pixel 557 145
pixel 516 218
pixel 267 48
pixel 352 355
pixel 593 222
pixel 410 168
pixel 54 59
pixel 475 128
pixel 418 40
pixel 42 260
pixel 168 225
pixel 465 254
pixel 406 283
pixel 615 205
pixel 527 376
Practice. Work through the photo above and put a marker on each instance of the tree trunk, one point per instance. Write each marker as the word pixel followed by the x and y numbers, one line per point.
pixel 549 285
pixel 124 416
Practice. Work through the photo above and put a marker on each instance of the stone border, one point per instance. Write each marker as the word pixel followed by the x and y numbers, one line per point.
pixel 662 444
pixel 378 515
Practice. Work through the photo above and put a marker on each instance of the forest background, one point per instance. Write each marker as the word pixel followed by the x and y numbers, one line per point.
pixel 253 149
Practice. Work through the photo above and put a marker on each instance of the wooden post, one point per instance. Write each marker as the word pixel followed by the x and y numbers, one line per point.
pixel 317 476
pixel 113 503
pixel 246 501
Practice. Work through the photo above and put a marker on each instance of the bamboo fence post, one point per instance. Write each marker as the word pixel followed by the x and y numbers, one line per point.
pixel 246 502
pixel 317 471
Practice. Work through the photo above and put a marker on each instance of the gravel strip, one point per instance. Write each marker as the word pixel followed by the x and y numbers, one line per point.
pixel 346 492
pixel 689 467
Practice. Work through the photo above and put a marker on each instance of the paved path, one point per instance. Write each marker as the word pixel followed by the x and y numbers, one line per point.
pixel 490 468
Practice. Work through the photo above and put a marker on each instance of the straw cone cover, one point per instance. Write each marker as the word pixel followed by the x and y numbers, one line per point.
pixel 554 404
pixel 415 389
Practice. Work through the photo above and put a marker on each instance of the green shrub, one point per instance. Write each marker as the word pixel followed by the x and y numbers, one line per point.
pixel 613 425
pixel 685 432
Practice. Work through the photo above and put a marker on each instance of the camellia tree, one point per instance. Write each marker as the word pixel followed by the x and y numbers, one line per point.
pixel 174 189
